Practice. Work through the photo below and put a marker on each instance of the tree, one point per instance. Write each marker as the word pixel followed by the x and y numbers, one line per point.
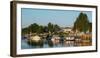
pixel 56 28
pixel 81 24
pixel 45 29
pixel 34 28
pixel 90 27
pixel 25 30
pixel 40 29
pixel 50 27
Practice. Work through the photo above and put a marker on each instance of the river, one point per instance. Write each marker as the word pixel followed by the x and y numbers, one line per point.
pixel 46 44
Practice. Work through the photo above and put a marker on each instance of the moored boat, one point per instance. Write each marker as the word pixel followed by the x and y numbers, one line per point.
pixel 35 40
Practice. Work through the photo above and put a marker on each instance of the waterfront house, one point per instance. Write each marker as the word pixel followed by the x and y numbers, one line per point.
pixel 67 30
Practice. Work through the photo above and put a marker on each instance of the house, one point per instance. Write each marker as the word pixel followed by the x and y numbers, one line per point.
pixel 67 30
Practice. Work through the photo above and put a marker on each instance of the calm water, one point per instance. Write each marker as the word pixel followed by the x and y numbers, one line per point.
pixel 46 44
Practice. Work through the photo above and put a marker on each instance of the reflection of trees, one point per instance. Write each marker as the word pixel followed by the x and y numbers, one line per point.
pixel 50 43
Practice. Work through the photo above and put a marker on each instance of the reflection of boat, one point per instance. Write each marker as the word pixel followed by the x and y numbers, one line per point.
pixel 55 39
pixel 69 41
pixel 23 37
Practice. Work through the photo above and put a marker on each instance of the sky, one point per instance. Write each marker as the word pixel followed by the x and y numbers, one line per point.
pixel 63 18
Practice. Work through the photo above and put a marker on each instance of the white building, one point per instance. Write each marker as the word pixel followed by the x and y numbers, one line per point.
pixel 67 29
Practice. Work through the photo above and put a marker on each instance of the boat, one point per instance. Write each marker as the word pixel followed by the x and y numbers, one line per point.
pixel 69 38
pixel 35 40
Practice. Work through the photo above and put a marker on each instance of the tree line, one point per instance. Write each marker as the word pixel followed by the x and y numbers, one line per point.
pixel 36 28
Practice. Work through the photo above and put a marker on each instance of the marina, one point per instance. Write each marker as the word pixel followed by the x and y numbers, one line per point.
pixel 55 41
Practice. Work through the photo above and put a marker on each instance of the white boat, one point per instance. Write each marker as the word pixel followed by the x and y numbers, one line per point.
pixel 35 38
pixel 69 38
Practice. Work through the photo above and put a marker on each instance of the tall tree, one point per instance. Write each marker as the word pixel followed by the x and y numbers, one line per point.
pixel 90 27
pixel 56 28
pixel 81 24
pixel 50 27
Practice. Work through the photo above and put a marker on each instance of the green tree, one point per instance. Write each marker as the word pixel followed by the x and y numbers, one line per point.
pixel 45 29
pixel 25 31
pixel 90 27
pixel 81 24
pixel 56 28
pixel 34 28
pixel 40 29
pixel 50 27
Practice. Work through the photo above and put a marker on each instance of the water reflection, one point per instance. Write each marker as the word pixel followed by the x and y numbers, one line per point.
pixel 49 42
